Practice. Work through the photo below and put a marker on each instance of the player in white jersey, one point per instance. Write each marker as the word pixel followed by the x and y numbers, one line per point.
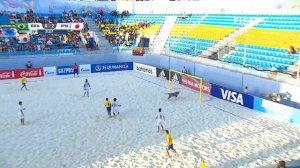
pixel 87 88
pixel 115 107
pixel 160 118
pixel 21 113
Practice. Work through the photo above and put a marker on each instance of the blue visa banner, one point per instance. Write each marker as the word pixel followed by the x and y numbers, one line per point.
pixel 232 96
pixel 108 67
pixel 64 70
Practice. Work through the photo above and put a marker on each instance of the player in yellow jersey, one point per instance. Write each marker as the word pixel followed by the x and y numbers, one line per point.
pixel 169 143
pixel 24 80
pixel 107 104
pixel 202 164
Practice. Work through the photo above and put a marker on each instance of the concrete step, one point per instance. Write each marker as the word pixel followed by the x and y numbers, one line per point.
pixel 103 43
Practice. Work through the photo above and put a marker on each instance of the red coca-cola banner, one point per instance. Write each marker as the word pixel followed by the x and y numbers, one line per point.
pixel 29 72
pixel 7 74
pixel 18 73
pixel 195 85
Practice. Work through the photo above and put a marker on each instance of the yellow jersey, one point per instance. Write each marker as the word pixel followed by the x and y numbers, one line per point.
pixel 169 139
pixel 23 80
pixel 202 164
pixel 107 103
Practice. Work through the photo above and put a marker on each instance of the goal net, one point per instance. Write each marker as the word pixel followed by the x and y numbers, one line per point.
pixel 190 81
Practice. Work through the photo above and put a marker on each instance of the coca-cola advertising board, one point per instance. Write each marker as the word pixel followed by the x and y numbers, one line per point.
pixel 7 74
pixel 194 84
pixel 29 73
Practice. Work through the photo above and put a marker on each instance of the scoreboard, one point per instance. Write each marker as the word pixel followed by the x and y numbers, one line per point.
pixel 61 26
pixel 49 28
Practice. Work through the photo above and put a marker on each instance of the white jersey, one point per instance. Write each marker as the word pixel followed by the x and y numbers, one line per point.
pixel 115 106
pixel 160 117
pixel 86 86
pixel 21 111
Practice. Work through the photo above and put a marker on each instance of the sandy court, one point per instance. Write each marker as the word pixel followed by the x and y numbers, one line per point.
pixel 66 130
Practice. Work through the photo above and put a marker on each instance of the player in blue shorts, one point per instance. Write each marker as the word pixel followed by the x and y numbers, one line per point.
pixel 169 143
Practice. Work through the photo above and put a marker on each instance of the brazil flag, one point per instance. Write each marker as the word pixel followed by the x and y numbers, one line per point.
pixel 22 26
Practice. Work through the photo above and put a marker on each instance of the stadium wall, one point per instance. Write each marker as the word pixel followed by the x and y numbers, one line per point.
pixel 17 62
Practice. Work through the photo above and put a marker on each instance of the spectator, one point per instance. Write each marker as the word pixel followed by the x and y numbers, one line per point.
pixel 246 90
pixel 38 46
pixel 124 35
pixel 49 42
pixel 273 96
pixel 278 98
pixel 183 16
pixel 292 50
pixel 184 70
pixel 272 73
pixel 280 164
pixel 28 64
pixel 83 14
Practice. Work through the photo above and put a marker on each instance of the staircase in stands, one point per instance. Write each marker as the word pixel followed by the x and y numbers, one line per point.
pixel 163 34
pixel 224 41
pixel 102 42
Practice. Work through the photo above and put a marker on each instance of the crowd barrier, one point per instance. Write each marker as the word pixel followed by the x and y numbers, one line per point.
pixel 280 111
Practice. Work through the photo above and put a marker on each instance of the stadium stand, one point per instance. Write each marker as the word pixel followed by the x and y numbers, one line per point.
pixel 41 43
pixel 266 45
pixel 133 24
pixel 262 46
pixel 196 32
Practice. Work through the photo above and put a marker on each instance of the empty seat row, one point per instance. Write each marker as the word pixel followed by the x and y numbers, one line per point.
pixel 255 63
pixel 287 27
pixel 187 45
pixel 283 50
pixel 267 53
pixel 263 58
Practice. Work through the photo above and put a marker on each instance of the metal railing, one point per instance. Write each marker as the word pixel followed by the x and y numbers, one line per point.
pixel 273 75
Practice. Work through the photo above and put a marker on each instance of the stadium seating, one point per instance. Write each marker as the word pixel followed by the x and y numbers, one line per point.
pixel 67 43
pixel 227 20
pixel 201 31
pixel 263 45
pixel 287 22
pixel 155 20
pixel 187 45
pixel 266 44
pixel 262 57
pixel 151 30
pixel 280 38
pixel 150 18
